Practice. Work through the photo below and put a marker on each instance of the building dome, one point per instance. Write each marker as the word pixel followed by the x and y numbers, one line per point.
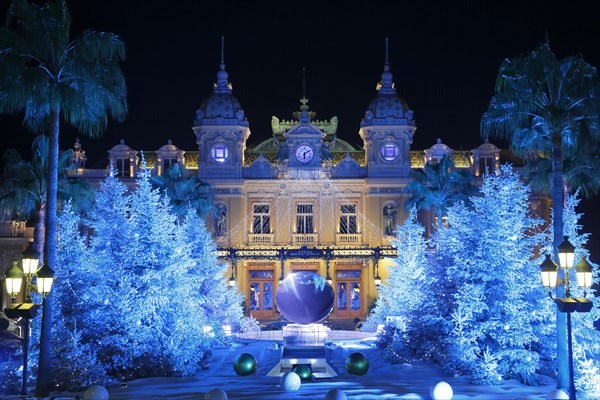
pixel 221 107
pixel 387 105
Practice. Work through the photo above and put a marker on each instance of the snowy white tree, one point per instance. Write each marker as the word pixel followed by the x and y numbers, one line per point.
pixel 143 295
pixel 500 317
pixel 400 301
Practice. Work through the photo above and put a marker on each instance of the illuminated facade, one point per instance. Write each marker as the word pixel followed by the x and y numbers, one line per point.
pixel 302 200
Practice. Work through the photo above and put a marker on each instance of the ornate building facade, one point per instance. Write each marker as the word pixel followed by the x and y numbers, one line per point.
pixel 304 199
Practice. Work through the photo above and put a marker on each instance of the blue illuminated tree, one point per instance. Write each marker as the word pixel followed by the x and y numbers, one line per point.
pixel 500 315
pixel 402 296
pixel 146 297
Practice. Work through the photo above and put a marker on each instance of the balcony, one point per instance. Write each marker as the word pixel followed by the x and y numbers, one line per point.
pixel 348 238
pixel 305 239
pixel 261 238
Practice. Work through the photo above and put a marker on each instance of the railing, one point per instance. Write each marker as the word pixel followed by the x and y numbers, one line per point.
pixel 261 238
pixel 348 238
pixel 305 238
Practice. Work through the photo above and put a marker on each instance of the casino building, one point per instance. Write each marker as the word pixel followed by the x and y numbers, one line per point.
pixel 304 199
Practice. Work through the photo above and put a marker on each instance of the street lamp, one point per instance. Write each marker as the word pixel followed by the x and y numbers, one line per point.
pixel 14 280
pixel 27 310
pixel 567 304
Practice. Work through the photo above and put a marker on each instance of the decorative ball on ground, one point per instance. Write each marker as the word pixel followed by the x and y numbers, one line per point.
pixel 557 394
pixel 441 391
pixel 290 381
pixel 244 364
pixel 357 364
pixel 304 372
pixel 215 394
pixel 335 394
pixel 96 392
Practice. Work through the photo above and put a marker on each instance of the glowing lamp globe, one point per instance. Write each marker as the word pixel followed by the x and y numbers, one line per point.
pixel 566 253
pixel 336 394
pixel 584 273
pixel 14 279
pixel 244 364
pixel 548 270
pixel 441 391
pixel 357 364
pixel 96 392
pixel 305 297
pixel 290 381
pixel 215 394
pixel 304 372
pixel 557 394
pixel 45 278
pixel 31 260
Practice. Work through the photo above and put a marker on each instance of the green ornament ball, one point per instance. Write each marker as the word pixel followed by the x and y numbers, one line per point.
pixel 244 364
pixel 357 364
pixel 304 372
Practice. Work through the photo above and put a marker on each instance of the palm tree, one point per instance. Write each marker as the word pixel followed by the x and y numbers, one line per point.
pixel 436 187
pixel 548 106
pixel 23 187
pixel 184 192
pixel 53 77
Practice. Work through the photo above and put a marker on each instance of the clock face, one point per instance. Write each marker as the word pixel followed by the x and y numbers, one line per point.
pixel 304 153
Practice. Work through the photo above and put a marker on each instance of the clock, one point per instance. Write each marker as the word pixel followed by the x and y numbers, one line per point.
pixel 304 153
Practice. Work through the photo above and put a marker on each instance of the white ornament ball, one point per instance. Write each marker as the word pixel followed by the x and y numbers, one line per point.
pixel 441 391
pixel 557 394
pixel 215 394
pixel 336 394
pixel 290 381
pixel 96 392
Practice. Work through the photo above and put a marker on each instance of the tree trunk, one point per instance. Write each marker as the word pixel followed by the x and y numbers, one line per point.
pixel 38 230
pixel 562 357
pixel 44 379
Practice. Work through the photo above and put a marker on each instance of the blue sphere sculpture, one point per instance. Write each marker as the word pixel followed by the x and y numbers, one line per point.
pixel 304 372
pixel 357 364
pixel 305 297
pixel 244 364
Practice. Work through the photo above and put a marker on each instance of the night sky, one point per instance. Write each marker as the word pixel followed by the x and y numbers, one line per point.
pixel 444 57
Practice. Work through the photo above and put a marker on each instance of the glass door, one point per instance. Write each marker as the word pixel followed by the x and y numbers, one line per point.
pixel 348 296
pixel 261 295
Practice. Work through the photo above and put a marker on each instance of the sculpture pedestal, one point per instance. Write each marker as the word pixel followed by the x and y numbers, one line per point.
pixel 305 335
pixel 304 345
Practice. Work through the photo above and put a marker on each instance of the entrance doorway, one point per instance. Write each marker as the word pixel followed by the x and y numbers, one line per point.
pixel 261 294
pixel 348 296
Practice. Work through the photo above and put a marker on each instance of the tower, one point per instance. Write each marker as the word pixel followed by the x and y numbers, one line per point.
pixel 221 132
pixel 387 130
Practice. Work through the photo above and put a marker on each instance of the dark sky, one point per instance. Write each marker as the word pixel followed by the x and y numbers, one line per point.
pixel 444 56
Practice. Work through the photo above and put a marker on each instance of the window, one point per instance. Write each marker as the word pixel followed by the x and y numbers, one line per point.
pixel 219 153
pixel 304 218
pixel 168 162
pixel 389 152
pixel 122 165
pixel 261 221
pixel 348 219
pixel 486 165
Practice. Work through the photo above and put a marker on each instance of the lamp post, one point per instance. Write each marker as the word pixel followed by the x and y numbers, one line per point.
pixel 567 304
pixel 27 310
